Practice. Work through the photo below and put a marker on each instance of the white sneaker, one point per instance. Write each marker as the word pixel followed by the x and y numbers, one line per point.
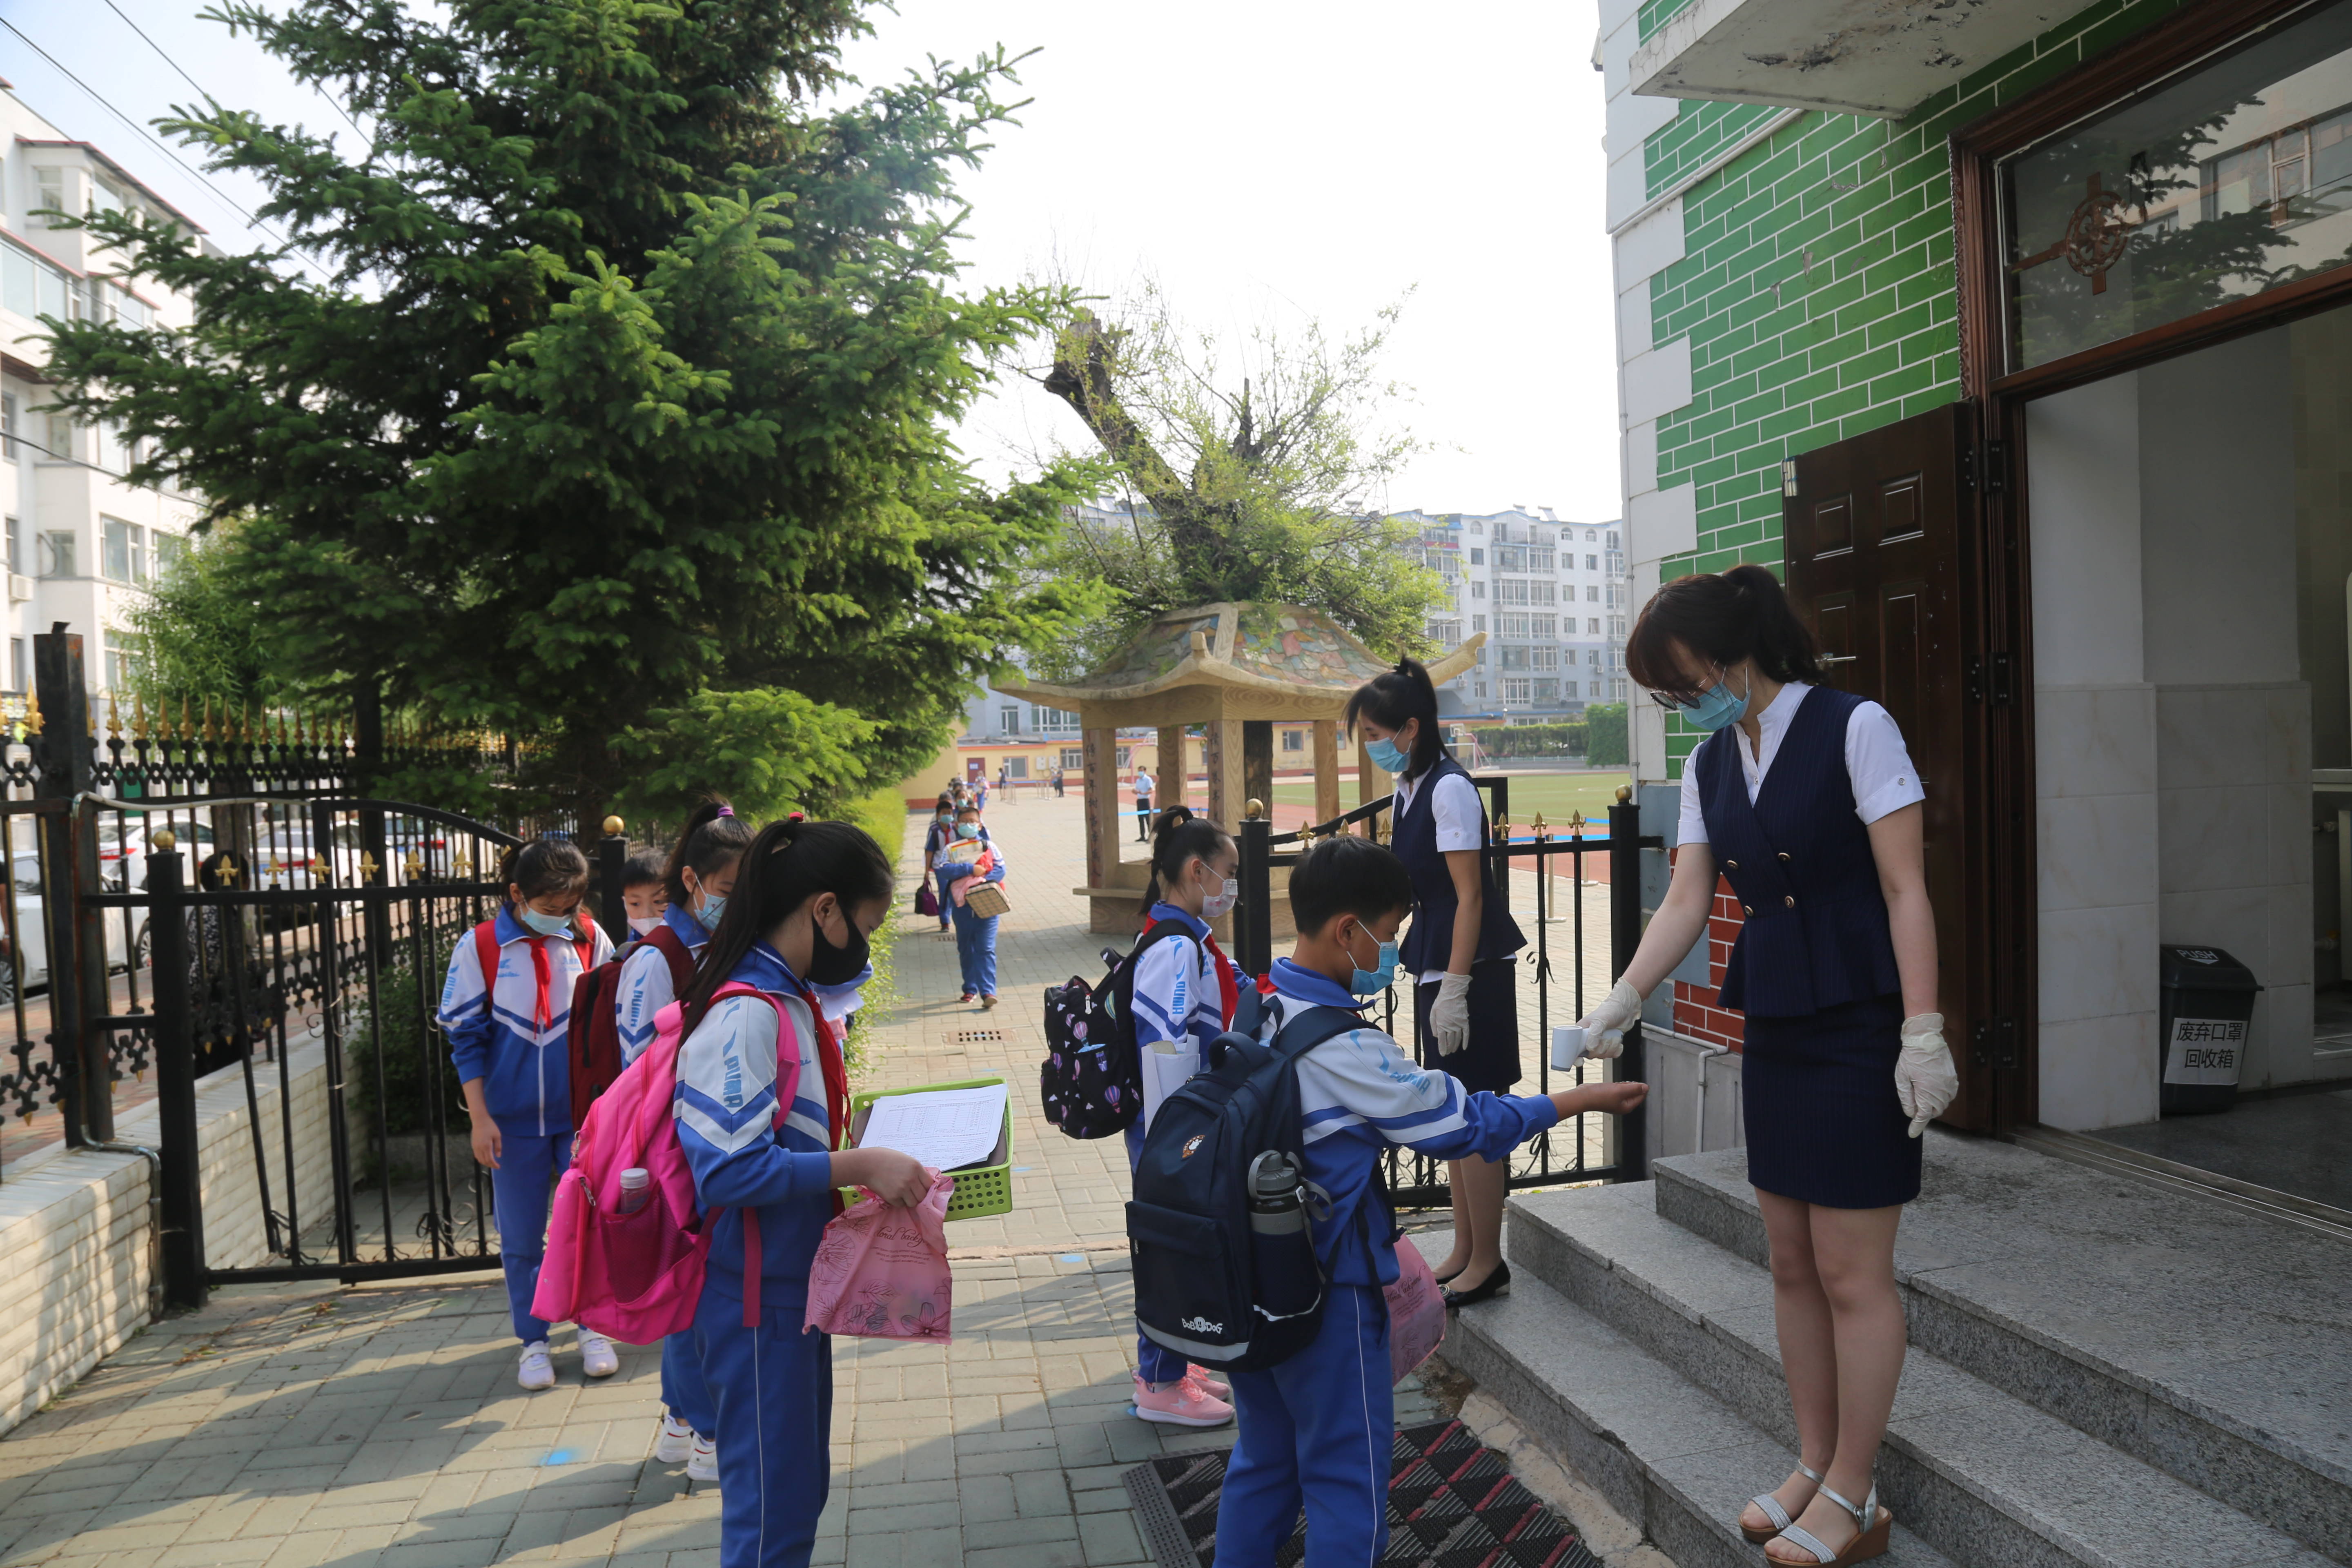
pixel 676 1442
pixel 702 1464
pixel 536 1370
pixel 597 1357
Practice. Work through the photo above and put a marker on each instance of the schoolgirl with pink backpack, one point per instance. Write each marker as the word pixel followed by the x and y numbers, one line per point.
pixel 744 1148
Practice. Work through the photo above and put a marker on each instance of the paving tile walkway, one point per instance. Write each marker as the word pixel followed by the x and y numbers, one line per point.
pixel 381 1426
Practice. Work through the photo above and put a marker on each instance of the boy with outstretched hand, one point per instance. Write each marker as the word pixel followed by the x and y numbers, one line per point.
pixel 1318 1428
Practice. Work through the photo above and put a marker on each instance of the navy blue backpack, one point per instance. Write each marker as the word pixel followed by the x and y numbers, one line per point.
pixel 1205 1287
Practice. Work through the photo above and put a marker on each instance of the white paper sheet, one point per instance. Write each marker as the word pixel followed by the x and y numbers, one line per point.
pixel 943 1128
pixel 1165 1070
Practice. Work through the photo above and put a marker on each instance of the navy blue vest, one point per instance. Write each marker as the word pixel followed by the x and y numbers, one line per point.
pixel 1429 945
pixel 1814 932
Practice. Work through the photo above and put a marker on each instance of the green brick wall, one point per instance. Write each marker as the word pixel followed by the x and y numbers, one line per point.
pixel 1654 14
pixel 1701 132
pixel 1860 330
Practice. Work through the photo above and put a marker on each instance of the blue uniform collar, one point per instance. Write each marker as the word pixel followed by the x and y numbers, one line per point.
pixel 509 929
pixel 1302 984
pixel 689 928
pixel 1194 923
pixel 764 967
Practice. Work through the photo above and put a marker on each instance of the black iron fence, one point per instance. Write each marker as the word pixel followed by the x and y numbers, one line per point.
pixel 1547 876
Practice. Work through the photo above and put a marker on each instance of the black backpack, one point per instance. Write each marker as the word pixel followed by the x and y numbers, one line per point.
pixel 1205 1285
pixel 1092 1079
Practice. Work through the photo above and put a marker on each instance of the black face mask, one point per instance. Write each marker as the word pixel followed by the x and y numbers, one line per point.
pixel 832 963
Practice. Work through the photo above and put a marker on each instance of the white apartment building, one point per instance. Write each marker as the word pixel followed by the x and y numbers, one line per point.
pixel 81 546
pixel 1549 594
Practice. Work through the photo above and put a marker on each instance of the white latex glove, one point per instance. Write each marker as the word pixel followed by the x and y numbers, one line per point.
pixel 1925 1078
pixel 1605 1026
pixel 1449 1018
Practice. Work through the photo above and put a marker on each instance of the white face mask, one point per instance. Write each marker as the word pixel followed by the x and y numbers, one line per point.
pixel 643 925
pixel 1219 904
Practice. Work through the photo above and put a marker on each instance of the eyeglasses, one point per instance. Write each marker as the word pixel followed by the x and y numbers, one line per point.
pixel 1670 700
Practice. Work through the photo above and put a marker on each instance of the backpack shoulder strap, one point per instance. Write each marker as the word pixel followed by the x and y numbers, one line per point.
pixel 1123 981
pixel 485 954
pixel 673 948
pixel 1310 1029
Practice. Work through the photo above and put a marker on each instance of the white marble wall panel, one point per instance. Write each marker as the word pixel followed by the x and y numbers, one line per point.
pixel 2099 1072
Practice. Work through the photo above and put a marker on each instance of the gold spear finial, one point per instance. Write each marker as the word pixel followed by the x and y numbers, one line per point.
pixel 212 725
pixel 138 715
pixel 368 868
pixel 32 714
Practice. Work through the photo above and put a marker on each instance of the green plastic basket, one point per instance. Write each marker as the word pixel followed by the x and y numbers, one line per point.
pixel 983 1190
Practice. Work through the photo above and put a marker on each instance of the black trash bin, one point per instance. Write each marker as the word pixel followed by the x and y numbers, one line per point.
pixel 2208 1004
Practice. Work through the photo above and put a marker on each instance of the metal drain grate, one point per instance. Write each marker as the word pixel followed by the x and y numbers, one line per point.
pixel 978 1037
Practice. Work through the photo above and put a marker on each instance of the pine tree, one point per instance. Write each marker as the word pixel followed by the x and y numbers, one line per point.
pixel 604 403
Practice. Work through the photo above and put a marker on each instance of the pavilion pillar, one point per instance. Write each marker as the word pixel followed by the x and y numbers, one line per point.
pixel 1223 750
pixel 1101 785
pixel 1326 769
pixel 1171 767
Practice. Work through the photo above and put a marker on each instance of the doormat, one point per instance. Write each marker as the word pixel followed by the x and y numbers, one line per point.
pixel 1452 1503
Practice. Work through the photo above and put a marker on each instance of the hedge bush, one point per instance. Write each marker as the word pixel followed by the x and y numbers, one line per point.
pixel 1532 740
pixel 1606 746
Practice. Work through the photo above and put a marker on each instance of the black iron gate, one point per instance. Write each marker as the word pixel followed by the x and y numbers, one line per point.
pixel 1565 990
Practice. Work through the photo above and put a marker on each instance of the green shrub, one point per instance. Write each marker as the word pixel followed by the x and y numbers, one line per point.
pixel 1607 747
pixel 406 1044
pixel 884 814
pixel 1532 740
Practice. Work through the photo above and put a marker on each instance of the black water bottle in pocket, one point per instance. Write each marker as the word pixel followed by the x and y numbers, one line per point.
pixel 1284 1280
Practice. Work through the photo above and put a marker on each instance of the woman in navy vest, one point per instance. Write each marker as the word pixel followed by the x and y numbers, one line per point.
pixel 1458 948
pixel 1805 798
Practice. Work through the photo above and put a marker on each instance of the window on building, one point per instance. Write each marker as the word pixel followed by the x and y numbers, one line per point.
pixel 62 445
pixel 1593 656
pixel 1549 690
pixel 13 558
pixel 1616 626
pixel 1074 759
pixel 1518 692
pixel 1592 563
pixel 1477 527
pixel 1514 626
pixel 1008 718
pixel 1121 761
pixel 8 425
pixel 49 197
pixel 1294 740
pixel 1611 541
pixel 1514 657
pixel 1545 659
pixel 1541 559
pixel 121 669
pixel 1617 690
pixel 124 548
pixel 58 555
pixel 170 550
pixel 1478 623
pixel 1479 690
pixel 1054 721
pixel 1016 767
pixel 1511 590
pixel 1477 556
pixel 16 671
pixel 1593 626
pixel 1511 558
pixel 1477 590
pixel 1588 536
pixel 1592 596
pixel 1545 625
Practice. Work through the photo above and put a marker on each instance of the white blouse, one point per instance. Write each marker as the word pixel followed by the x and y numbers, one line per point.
pixel 1877 764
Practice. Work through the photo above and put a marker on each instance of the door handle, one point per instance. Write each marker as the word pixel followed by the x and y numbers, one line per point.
pixel 1839 658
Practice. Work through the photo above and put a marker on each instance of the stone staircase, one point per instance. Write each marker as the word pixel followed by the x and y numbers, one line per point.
pixel 2101 1373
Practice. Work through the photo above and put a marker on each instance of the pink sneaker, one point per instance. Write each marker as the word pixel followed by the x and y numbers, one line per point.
pixel 1180 1404
pixel 1215 1387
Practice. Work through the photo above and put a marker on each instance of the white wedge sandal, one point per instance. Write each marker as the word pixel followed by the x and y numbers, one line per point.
pixel 1773 1510
pixel 1873 1522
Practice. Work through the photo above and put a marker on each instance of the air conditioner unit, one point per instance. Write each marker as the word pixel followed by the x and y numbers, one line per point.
pixel 20 587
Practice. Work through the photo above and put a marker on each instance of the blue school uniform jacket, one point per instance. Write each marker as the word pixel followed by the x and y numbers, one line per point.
pixel 1358 1093
pixel 742 1158
pixel 1177 996
pixel 645 989
pixel 524 1065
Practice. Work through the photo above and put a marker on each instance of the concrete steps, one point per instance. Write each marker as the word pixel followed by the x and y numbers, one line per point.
pixel 1980 1474
pixel 1671 1457
pixel 2209 1344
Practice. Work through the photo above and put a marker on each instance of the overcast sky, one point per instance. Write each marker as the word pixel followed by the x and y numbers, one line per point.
pixel 1268 162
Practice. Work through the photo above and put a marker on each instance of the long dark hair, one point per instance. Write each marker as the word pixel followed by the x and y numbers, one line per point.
pixel 1179 838
pixel 1723 618
pixel 543 866
pixel 1394 700
pixel 714 837
pixel 787 865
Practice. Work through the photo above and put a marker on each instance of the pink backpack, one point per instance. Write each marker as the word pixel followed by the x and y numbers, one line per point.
pixel 638 1277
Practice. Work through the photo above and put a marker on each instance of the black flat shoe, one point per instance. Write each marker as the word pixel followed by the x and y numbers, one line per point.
pixel 1492 1285
pixel 1443 1279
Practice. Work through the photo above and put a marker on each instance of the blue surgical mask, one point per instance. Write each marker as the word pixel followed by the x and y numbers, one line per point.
pixel 1716 707
pixel 1386 757
pixel 545 925
pixel 713 906
pixel 967 830
pixel 1373 982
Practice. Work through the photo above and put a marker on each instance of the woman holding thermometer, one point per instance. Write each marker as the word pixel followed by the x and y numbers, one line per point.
pixel 1804 797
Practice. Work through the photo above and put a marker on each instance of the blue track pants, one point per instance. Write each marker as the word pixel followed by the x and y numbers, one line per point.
pixel 1318 1430
pixel 772 1388
pixel 976 949
pixel 1155 1362
pixel 528 1164
pixel 684 1392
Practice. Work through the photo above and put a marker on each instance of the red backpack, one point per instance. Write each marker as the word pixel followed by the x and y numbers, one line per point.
pixel 595 1028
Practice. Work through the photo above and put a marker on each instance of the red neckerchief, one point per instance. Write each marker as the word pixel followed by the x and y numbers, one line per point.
pixel 830 1064
pixel 541 973
pixel 1229 990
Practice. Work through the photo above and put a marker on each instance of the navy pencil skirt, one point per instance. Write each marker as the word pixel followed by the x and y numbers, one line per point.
pixel 1490 1062
pixel 1818 1096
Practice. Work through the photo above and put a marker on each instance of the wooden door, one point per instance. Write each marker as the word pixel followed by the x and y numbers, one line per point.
pixel 1882 531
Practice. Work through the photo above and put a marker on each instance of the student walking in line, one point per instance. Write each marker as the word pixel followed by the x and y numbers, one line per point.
pixel 1143 788
pixel 1318 1430
pixel 761 1114
pixel 506 1008
pixel 643 895
pixel 1458 949
pixel 699 877
pixel 1805 798
pixel 971 859
pixel 938 836
pixel 1184 990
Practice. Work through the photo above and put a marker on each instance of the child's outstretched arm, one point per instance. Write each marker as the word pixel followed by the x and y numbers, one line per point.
pixel 1361 1078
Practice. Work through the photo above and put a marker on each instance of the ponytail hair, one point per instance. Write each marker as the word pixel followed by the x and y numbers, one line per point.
pixel 1721 617
pixel 1393 700
pixel 543 866
pixel 1179 838
pixel 789 863
pixel 714 837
